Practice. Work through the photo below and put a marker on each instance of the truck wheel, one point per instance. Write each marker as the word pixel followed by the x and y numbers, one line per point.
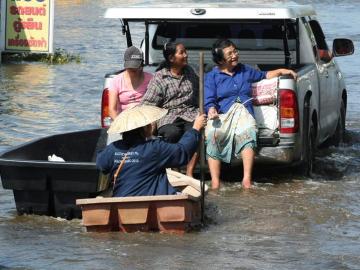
pixel 338 136
pixel 309 152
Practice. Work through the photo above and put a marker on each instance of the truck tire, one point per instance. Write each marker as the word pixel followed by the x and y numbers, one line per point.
pixel 338 136
pixel 308 163
pixel 309 138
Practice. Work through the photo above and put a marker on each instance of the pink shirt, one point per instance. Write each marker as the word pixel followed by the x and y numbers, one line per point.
pixel 128 96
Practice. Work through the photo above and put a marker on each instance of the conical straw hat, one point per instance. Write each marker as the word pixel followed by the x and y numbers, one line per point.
pixel 135 117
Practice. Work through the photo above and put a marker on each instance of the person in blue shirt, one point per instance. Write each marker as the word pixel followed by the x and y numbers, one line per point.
pixel 228 103
pixel 145 160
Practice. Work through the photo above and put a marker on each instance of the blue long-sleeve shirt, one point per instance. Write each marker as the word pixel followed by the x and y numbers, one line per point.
pixel 222 90
pixel 144 171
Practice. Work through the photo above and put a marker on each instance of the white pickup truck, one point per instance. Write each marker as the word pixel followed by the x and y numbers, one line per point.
pixel 307 112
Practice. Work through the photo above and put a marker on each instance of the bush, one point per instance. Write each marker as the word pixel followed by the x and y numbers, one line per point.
pixel 60 56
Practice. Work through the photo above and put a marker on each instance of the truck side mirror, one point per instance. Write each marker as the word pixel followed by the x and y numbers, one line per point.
pixel 342 47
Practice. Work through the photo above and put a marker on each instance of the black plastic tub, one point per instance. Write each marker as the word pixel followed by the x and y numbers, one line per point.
pixel 50 188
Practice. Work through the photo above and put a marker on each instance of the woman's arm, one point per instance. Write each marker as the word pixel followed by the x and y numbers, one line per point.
pixel 210 96
pixel 113 104
pixel 281 71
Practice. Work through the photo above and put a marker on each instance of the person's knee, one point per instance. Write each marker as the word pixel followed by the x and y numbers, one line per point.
pixel 248 151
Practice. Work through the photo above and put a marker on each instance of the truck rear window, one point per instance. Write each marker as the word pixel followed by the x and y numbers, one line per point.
pixel 247 35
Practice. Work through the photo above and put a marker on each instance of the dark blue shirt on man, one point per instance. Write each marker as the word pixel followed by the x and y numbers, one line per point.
pixel 144 171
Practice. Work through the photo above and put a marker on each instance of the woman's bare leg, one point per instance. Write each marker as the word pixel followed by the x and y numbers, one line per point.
pixel 248 156
pixel 214 167
pixel 191 165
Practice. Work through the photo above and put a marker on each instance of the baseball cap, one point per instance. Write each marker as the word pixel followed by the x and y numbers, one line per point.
pixel 133 57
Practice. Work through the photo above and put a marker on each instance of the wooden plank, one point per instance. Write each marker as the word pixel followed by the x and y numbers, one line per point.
pixel 98 200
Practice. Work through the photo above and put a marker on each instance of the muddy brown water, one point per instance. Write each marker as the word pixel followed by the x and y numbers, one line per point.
pixel 286 222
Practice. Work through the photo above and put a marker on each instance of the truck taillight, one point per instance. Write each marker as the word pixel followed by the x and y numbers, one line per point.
pixel 105 117
pixel 289 113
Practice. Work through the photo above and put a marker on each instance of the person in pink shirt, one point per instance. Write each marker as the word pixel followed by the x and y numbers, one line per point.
pixel 128 87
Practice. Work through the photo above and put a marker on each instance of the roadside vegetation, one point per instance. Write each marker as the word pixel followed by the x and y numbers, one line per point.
pixel 60 56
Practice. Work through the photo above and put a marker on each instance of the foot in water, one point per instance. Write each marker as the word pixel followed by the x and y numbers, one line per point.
pixel 214 192
pixel 215 184
pixel 246 183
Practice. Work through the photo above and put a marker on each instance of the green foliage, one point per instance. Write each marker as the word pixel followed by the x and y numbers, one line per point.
pixel 60 56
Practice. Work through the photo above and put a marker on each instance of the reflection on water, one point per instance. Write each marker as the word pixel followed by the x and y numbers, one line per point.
pixel 24 87
pixel 286 221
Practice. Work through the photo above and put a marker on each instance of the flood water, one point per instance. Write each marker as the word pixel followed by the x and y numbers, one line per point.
pixel 286 222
